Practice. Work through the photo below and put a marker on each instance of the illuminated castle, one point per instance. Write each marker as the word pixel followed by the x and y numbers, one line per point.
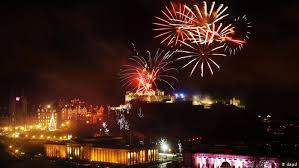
pixel 150 97
pixel 159 97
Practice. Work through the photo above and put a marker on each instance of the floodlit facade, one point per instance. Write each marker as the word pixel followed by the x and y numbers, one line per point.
pixel 90 114
pixel 55 150
pixel 207 101
pixel 209 160
pixel 93 153
pixel 152 97
pixel 159 97
pixel 44 116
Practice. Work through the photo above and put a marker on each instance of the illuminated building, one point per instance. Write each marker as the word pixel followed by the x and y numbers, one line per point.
pixel 70 112
pixel 71 109
pixel 205 101
pixel 236 102
pixel 155 96
pixel 208 160
pixel 114 154
pixel 120 107
pixel 44 115
pixel 79 110
pixel 159 97
pixel 55 150
pixel 18 108
pixel 98 115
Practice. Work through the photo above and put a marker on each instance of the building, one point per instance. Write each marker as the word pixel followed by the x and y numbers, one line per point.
pixel 236 102
pixel 45 117
pixel 18 109
pixel 205 101
pixel 211 160
pixel 77 110
pixel 99 151
pixel 152 97
pixel 159 97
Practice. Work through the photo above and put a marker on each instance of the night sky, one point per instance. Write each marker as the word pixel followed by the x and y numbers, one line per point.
pixel 75 49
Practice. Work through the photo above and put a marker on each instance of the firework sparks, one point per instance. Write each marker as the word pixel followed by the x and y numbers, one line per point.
pixel 201 15
pixel 201 55
pixel 241 30
pixel 206 34
pixel 143 72
pixel 172 26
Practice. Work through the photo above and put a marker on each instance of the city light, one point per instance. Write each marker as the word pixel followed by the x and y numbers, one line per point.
pixel 163 145
pixel 16 135
pixel 18 98
pixel 180 95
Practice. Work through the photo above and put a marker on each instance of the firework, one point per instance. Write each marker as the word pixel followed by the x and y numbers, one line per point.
pixel 241 30
pixel 173 26
pixel 208 23
pixel 143 72
pixel 201 55
pixel 206 33
pixel 204 16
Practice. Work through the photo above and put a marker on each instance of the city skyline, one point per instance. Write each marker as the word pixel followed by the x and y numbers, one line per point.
pixel 77 45
pixel 149 83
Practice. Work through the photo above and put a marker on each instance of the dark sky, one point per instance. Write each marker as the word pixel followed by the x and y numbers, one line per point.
pixel 75 49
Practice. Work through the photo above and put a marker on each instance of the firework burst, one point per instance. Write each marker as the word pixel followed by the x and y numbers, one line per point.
pixel 241 30
pixel 202 33
pixel 172 27
pixel 143 72
pixel 201 55
pixel 202 16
